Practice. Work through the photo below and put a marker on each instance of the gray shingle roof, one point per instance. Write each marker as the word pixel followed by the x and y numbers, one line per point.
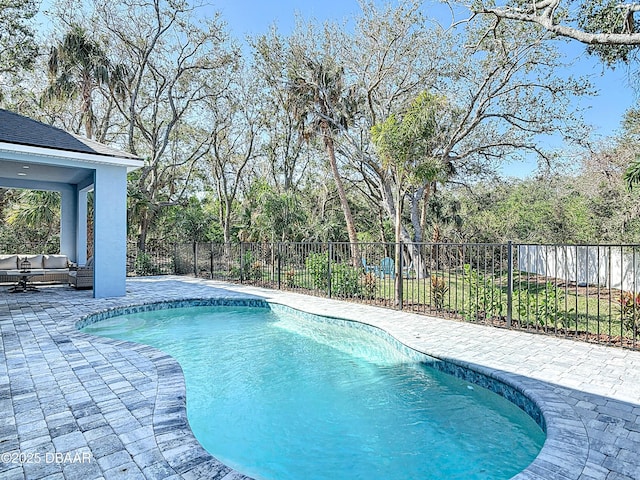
pixel 22 130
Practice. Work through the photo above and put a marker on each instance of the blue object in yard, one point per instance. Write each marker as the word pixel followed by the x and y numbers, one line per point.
pixel 370 268
pixel 387 267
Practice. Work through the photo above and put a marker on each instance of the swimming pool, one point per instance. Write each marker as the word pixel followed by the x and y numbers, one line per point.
pixel 279 395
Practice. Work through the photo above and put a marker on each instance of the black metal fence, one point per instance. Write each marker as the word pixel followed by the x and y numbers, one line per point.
pixel 578 291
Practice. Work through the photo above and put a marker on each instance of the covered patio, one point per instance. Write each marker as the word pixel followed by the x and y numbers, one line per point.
pixel 37 156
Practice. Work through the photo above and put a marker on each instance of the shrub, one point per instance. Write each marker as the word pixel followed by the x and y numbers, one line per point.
pixel 317 268
pixel 630 311
pixel 290 278
pixel 369 285
pixel 439 291
pixel 255 272
pixel 144 265
pixel 543 307
pixel 248 269
pixel 345 280
pixel 485 299
pixel 247 261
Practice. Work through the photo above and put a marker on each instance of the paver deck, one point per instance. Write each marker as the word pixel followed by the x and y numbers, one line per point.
pixel 74 406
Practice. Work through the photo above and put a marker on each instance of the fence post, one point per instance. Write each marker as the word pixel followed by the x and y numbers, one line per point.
pixel 195 259
pixel 279 253
pixel 211 260
pixel 329 257
pixel 399 277
pixel 241 262
pixel 509 283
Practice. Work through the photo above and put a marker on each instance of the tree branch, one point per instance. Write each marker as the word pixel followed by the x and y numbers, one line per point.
pixel 543 14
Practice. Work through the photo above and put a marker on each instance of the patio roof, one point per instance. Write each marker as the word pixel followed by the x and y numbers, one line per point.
pixel 52 154
pixel 37 156
pixel 21 130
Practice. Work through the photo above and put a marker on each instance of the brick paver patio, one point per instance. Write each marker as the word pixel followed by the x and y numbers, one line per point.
pixel 79 407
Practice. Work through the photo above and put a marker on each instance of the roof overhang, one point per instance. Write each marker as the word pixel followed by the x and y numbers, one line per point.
pixel 8 150
pixel 26 166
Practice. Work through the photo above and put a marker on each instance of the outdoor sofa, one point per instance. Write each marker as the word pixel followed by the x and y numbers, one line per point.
pixel 55 267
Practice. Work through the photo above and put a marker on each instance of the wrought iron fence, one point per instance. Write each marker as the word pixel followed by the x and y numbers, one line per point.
pixel 578 291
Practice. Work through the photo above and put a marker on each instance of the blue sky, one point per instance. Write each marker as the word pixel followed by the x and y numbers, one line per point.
pixel 251 17
pixel 604 112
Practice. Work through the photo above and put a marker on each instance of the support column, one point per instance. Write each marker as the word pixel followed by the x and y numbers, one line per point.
pixel 81 232
pixel 110 232
pixel 68 222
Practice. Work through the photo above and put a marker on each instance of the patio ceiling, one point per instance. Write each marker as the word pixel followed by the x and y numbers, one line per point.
pixel 41 172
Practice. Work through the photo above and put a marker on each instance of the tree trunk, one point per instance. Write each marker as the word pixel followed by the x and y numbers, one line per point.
pixel 416 216
pixel 87 110
pixel 142 232
pixel 226 221
pixel 425 208
pixel 348 217
pixel 415 255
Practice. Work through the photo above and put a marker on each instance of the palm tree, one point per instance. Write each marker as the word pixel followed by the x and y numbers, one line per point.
pixel 77 66
pixel 323 106
pixel 37 214
pixel 407 146
pixel 632 174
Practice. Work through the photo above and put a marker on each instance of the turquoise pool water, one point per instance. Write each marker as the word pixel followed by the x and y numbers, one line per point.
pixel 279 397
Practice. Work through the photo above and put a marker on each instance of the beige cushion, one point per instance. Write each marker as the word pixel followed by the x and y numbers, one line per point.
pixel 35 260
pixel 56 261
pixel 8 262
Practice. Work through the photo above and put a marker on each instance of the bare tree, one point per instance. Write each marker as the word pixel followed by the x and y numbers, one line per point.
pixel 233 121
pixel 500 83
pixel 18 49
pixel 175 65
pixel 609 28
pixel 284 145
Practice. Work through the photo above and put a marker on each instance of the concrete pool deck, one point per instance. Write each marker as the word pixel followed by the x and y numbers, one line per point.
pixel 74 406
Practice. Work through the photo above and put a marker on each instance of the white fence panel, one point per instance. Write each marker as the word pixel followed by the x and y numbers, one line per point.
pixel 608 266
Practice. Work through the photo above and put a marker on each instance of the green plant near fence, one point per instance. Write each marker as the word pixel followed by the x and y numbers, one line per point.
pixel 369 286
pixel 317 267
pixel 544 307
pixel 145 265
pixel 439 290
pixel 248 269
pixel 484 299
pixel 345 279
pixel 290 278
pixel 629 305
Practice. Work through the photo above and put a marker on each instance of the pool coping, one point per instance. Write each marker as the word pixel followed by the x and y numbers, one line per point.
pixel 170 420
pixel 584 387
pixel 562 437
